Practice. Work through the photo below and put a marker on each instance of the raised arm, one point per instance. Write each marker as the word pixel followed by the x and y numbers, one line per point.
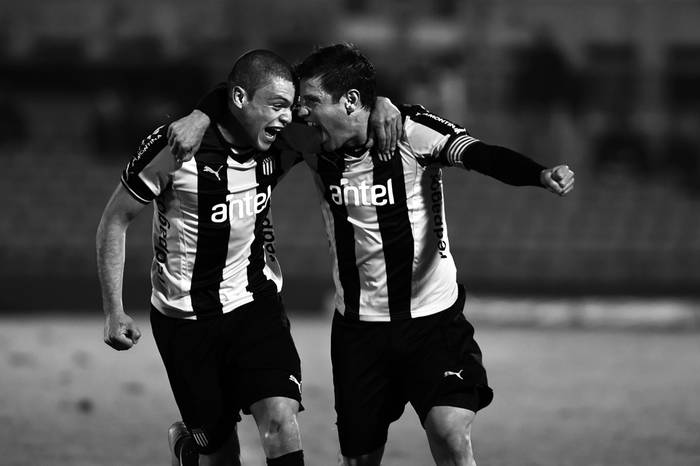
pixel 437 140
pixel 185 135
pixel 120 331
pixel 509 166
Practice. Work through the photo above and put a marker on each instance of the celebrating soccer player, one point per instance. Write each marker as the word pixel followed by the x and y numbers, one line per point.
pixel 399 334
pixel 216 313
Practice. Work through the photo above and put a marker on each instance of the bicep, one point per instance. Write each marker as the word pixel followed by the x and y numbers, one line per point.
pixel 122 207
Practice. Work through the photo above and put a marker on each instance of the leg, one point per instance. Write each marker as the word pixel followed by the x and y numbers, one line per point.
pixel 276 418
pixel 204 402
pixel 183 449
pixel 366 399
pixel 228 455
pixel 449 435
pixel 373 458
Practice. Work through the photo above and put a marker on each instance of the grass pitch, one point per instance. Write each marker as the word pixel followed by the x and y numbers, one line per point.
pixel 562 397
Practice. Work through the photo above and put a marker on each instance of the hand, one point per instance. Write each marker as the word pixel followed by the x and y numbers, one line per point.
pixel 120 332
pixel 185 135
pixel 559 179
pixel 385 128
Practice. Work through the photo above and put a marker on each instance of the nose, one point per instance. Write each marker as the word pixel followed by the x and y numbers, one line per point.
pixel 302 111
pixel 286 117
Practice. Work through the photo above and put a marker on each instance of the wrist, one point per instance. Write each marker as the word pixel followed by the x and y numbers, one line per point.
pixel 200 118
pixel 114 310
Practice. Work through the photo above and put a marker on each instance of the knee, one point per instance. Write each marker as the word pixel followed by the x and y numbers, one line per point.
pixel 280 428
pixel 457 443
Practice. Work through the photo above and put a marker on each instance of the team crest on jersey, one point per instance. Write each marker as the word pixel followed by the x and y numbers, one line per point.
pixel 268 166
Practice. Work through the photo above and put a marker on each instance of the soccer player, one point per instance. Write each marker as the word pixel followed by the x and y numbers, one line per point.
pixel 398 333
pixel 216 313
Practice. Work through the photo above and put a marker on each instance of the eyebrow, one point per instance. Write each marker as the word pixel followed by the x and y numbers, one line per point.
pixel 311 98
pixel 277 98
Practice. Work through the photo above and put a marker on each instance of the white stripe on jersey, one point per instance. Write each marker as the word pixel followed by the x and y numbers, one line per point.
pixel 176 226
pixel 455 151
pixel 433 275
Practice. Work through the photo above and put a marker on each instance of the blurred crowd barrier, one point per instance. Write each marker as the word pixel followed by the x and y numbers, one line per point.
pixel 608 87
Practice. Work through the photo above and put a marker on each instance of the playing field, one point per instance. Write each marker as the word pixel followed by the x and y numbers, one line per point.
pixel 562 397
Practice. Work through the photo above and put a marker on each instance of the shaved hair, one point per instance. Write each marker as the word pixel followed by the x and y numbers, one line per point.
pixel 256 69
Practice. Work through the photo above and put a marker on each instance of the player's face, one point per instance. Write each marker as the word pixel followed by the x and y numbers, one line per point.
pixel 318 109
pixel 268 112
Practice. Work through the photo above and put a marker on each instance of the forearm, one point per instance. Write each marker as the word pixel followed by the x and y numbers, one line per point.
pixel 503 164
pixel 111 241
pixel 214 103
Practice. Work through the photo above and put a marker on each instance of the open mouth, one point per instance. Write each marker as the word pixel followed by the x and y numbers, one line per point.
pixel 317 127
pixel 272 131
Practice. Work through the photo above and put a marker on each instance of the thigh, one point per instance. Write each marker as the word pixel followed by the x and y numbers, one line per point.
pixel 449 435
pixel 447 367
pixel 444 421
pixel 366 397
pixel 188 349
pixel 263 358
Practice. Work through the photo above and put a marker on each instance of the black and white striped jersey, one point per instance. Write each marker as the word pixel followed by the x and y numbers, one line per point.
pixel 213 234
pixel 386 223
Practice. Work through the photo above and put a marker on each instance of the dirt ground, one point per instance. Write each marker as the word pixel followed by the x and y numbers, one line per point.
pixel 562 397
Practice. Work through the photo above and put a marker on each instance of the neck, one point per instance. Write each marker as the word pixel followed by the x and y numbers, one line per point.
pixel 358 132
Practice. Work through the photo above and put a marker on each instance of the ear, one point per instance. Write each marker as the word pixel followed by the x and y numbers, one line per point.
pixel 352 100
pixel 239 96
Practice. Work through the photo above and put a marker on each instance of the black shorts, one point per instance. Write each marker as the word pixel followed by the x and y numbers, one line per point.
pixel 222 365
pixel 380 366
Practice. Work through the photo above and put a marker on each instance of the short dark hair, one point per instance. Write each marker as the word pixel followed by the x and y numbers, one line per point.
pixel 341 67
pixel 256 68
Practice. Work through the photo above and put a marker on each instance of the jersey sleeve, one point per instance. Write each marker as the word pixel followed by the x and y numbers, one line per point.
pixel 213 104
pixel 149 171
pixel 433 139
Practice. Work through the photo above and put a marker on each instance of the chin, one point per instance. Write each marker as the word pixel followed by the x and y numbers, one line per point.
pixel 264 145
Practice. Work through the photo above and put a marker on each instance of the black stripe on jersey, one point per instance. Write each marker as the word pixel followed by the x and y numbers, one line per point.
pixel 149 148
pixel 397 236
pixel 212 238
pixel 344 233
pixel 267 171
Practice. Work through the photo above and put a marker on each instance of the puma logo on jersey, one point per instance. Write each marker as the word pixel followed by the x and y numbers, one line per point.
pixel 362 194
pixel 208 169
pixel 456 374
pixel 294 379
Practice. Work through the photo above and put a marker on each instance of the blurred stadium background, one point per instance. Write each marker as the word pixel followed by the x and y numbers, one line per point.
pixel 611 87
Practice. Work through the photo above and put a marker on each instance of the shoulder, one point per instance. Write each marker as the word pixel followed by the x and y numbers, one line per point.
pixel 427 132
pixel 422 118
